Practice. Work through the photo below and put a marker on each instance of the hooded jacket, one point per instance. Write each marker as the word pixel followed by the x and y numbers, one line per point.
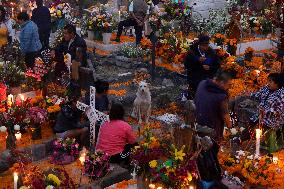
pixel 208 100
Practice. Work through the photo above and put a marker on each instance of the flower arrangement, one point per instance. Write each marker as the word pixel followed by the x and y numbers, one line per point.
pixel 64 151
pixel 162 163
pixel 219 39
pixel 232 67
pixel 11 74
pixel 256 171
pixel 59 10
pixel 96 164
pixel 37 115
pixel 231 46
pixel 39 70
pixel 155 22
pixel 176 10
pixel 131 51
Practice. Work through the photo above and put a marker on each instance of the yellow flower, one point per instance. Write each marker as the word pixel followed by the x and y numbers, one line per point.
pixel 49 100
pixel 54 179
pixel 153 164
pixel 179 154
pixel 59 14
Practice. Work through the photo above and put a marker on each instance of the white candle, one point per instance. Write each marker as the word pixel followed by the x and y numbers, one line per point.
pixel 15 180
pixel 159 187
pixel 258 133
pixel 12 12
pixel 10 100
pixel 22 97
pixel 18 135
pixel 191 187
pixel 257 72
pixel 21 9
pixel 119 16
pixel 152 186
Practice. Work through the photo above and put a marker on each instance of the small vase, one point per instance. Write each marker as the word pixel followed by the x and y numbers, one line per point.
pixel 36 132
pixel 91 35
pixel 10 141
pixel 106 38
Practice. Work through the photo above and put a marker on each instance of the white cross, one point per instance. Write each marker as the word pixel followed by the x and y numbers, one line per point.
pixel 92 114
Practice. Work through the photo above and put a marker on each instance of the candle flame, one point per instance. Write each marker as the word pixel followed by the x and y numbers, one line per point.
pixel 18 135
pixel 22 97
pixel 275 160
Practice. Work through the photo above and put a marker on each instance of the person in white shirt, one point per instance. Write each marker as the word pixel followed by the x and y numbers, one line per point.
pixel 139 12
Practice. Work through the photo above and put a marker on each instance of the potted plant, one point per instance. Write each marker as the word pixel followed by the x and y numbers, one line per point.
pixel 37 117
pixel 65 151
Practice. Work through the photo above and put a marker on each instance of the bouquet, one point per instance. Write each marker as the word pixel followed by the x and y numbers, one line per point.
pixel 60 10
pixel 64 151
pixel 37 115
pixel 219 39
pixel 96 164
pixel 11 74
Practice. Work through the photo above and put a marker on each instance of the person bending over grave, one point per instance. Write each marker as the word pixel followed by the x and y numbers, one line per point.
pixel 139 12
pixel 207 160
pixel 70 44
pixel 211 101
pixel 117 137
pixel 68 122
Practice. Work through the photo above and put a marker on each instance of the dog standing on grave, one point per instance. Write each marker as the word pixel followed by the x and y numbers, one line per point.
pixel 142 103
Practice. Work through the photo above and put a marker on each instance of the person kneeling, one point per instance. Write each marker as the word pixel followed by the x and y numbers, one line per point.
pixel 68 124
pixel 116 138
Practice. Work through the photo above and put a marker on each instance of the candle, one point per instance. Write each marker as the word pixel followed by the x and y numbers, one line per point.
pixel 257 72
pixel 275 160
pixel 22 97
pixel 12 12
pixel 10 100
pixel 15 180
pixel 191 187
pixel 152 186
pixel 21 9
pixel 258 133
pixel 18 135
pixel 119 16
pixel 82 158
pixel 159 187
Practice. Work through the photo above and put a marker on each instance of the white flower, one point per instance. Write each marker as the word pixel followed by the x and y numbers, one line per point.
pixel 3 129
pixel 238 157
pixel 49 187
pixel 233 131
pixel 242 129
pixel 17 127
pixel 241 153
pixel 250 157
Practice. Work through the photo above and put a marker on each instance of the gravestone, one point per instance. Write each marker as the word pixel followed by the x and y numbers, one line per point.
pixel 203 6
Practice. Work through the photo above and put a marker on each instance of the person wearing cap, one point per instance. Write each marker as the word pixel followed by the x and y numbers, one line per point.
pixel 212 106
pixel 201 62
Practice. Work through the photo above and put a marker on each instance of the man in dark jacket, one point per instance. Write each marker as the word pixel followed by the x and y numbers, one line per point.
pixel 71 42
pixel 201 62
pixel 211 101
pixel 41 16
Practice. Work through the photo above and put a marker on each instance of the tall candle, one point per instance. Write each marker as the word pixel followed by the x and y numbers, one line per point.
pixel 152 186
pixel 119 16
pixel 82 158
pixel 258 133
pixel 12 12
pixel 15 180
pixel 21 9
pixel 10 100
pixel 18 135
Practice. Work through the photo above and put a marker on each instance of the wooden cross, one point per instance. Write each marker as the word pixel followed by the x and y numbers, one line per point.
pixel 92 114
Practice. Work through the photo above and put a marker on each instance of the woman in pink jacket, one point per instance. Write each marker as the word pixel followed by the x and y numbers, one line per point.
pixel 116 138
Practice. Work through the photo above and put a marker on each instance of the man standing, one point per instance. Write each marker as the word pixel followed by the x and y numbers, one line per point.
pixel 70 44
pixel 139 12
pixel 211 102
pixel 201 62
pixel 41 16
pixel 29 39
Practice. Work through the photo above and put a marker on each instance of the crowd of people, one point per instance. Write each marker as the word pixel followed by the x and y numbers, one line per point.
pixel 207 86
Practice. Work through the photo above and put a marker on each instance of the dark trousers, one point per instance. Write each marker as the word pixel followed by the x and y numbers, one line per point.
pixel 30 59
pixel 44 38
pixel 125 161
pixel 130 22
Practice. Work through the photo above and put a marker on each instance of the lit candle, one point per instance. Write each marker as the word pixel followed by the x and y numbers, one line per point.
pixel 159 187
pixel 21 9
pixel 82 158
pixel 275 160
pixel 18 135
pixel 15 180
pixel 257 72
pixel 12 12
pixel 258 133
pixel 191 187
pixel 22 97
pixel 10 100
pixel 152 186
pixel 119 16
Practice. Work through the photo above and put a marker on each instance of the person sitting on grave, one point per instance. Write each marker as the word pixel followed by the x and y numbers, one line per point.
pixel 211 101
pixel 201 62
pixel 68 122
pixel 207 160
pixel 117 137
pixel 139 12
pixel 71 41
pixel 271 99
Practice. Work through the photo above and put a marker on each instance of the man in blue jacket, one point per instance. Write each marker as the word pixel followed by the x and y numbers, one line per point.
pixel 41 16
pixel 29 39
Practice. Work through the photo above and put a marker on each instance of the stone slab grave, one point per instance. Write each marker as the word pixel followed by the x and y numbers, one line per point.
pixel 106 47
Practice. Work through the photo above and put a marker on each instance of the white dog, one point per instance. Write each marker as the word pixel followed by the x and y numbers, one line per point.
pixel 142 103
